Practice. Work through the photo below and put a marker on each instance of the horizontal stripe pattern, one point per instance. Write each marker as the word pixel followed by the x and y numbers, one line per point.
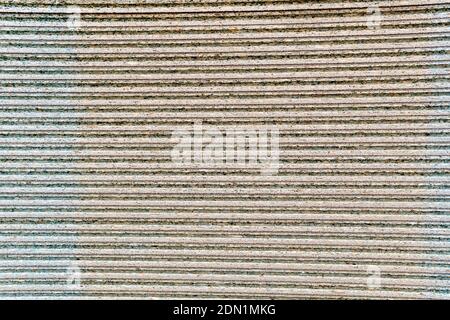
pixel 92 204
